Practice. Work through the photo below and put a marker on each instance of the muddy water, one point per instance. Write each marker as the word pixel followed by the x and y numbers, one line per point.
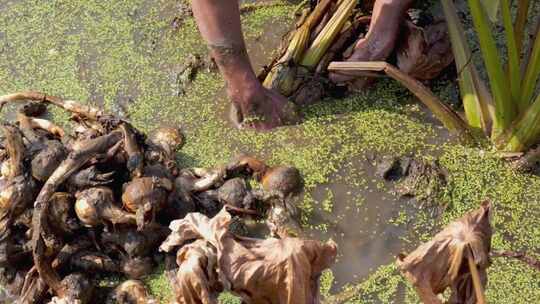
pixel 359 223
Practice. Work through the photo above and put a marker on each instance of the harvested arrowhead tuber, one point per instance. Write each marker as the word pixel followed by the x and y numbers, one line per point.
pixel 79 289
pixel 17 189
pixel 135 160
pixel 137 267
pixel 93 262
pixel 136 243
pixel 96 207
pixel 246 165
pixel 207 202
pixel 233 192
pixel 89 177
pixel 163 144
pixel 286 180
pixel 145 196
pixel 46 154
pixel 61 214
pixel 169 139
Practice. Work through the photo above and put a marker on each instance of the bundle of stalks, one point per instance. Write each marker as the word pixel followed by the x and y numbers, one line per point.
pixel 303 52
pixel 329 31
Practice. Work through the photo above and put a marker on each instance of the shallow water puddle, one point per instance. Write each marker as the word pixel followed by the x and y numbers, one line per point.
pixel 358 220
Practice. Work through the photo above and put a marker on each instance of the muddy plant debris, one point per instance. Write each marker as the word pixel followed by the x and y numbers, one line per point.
pixel 188 71
pixel 422 179
pixel 456 258
pixel 98 201
pixel 273 270
pixel 183 12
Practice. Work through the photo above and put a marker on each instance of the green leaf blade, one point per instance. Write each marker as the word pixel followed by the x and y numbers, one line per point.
pixel 505 109
pixel 521 22
pixel 532 73
pixel 514 74
pixel 525 132
pixel 471 86
pixel 492 8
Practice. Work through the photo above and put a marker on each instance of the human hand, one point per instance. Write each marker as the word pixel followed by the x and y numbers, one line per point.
pixel 261 109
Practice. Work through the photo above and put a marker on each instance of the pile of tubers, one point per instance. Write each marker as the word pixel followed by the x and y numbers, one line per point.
pixel 76 206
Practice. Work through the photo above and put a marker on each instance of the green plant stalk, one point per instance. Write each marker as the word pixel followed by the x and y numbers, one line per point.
pixel 450 119
pixel 505 110
pixel 525 132
pixel 324 40
pixel 530 80
pixel 521 21
pixel 474 93
pixel 527 48
pixel 514 73
pixel 492 8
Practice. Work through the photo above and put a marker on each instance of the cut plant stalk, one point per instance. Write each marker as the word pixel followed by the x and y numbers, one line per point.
pixel 347 33
pixel 450 119
pixel 327 36
pixel 477 283
pixel 283 74
pixel 474 93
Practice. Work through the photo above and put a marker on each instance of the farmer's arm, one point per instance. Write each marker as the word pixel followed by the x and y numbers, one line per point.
pixel 257 107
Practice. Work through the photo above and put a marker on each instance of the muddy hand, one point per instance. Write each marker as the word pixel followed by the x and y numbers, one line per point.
pixel 254 106
pixel 381 37
pixel 262 109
